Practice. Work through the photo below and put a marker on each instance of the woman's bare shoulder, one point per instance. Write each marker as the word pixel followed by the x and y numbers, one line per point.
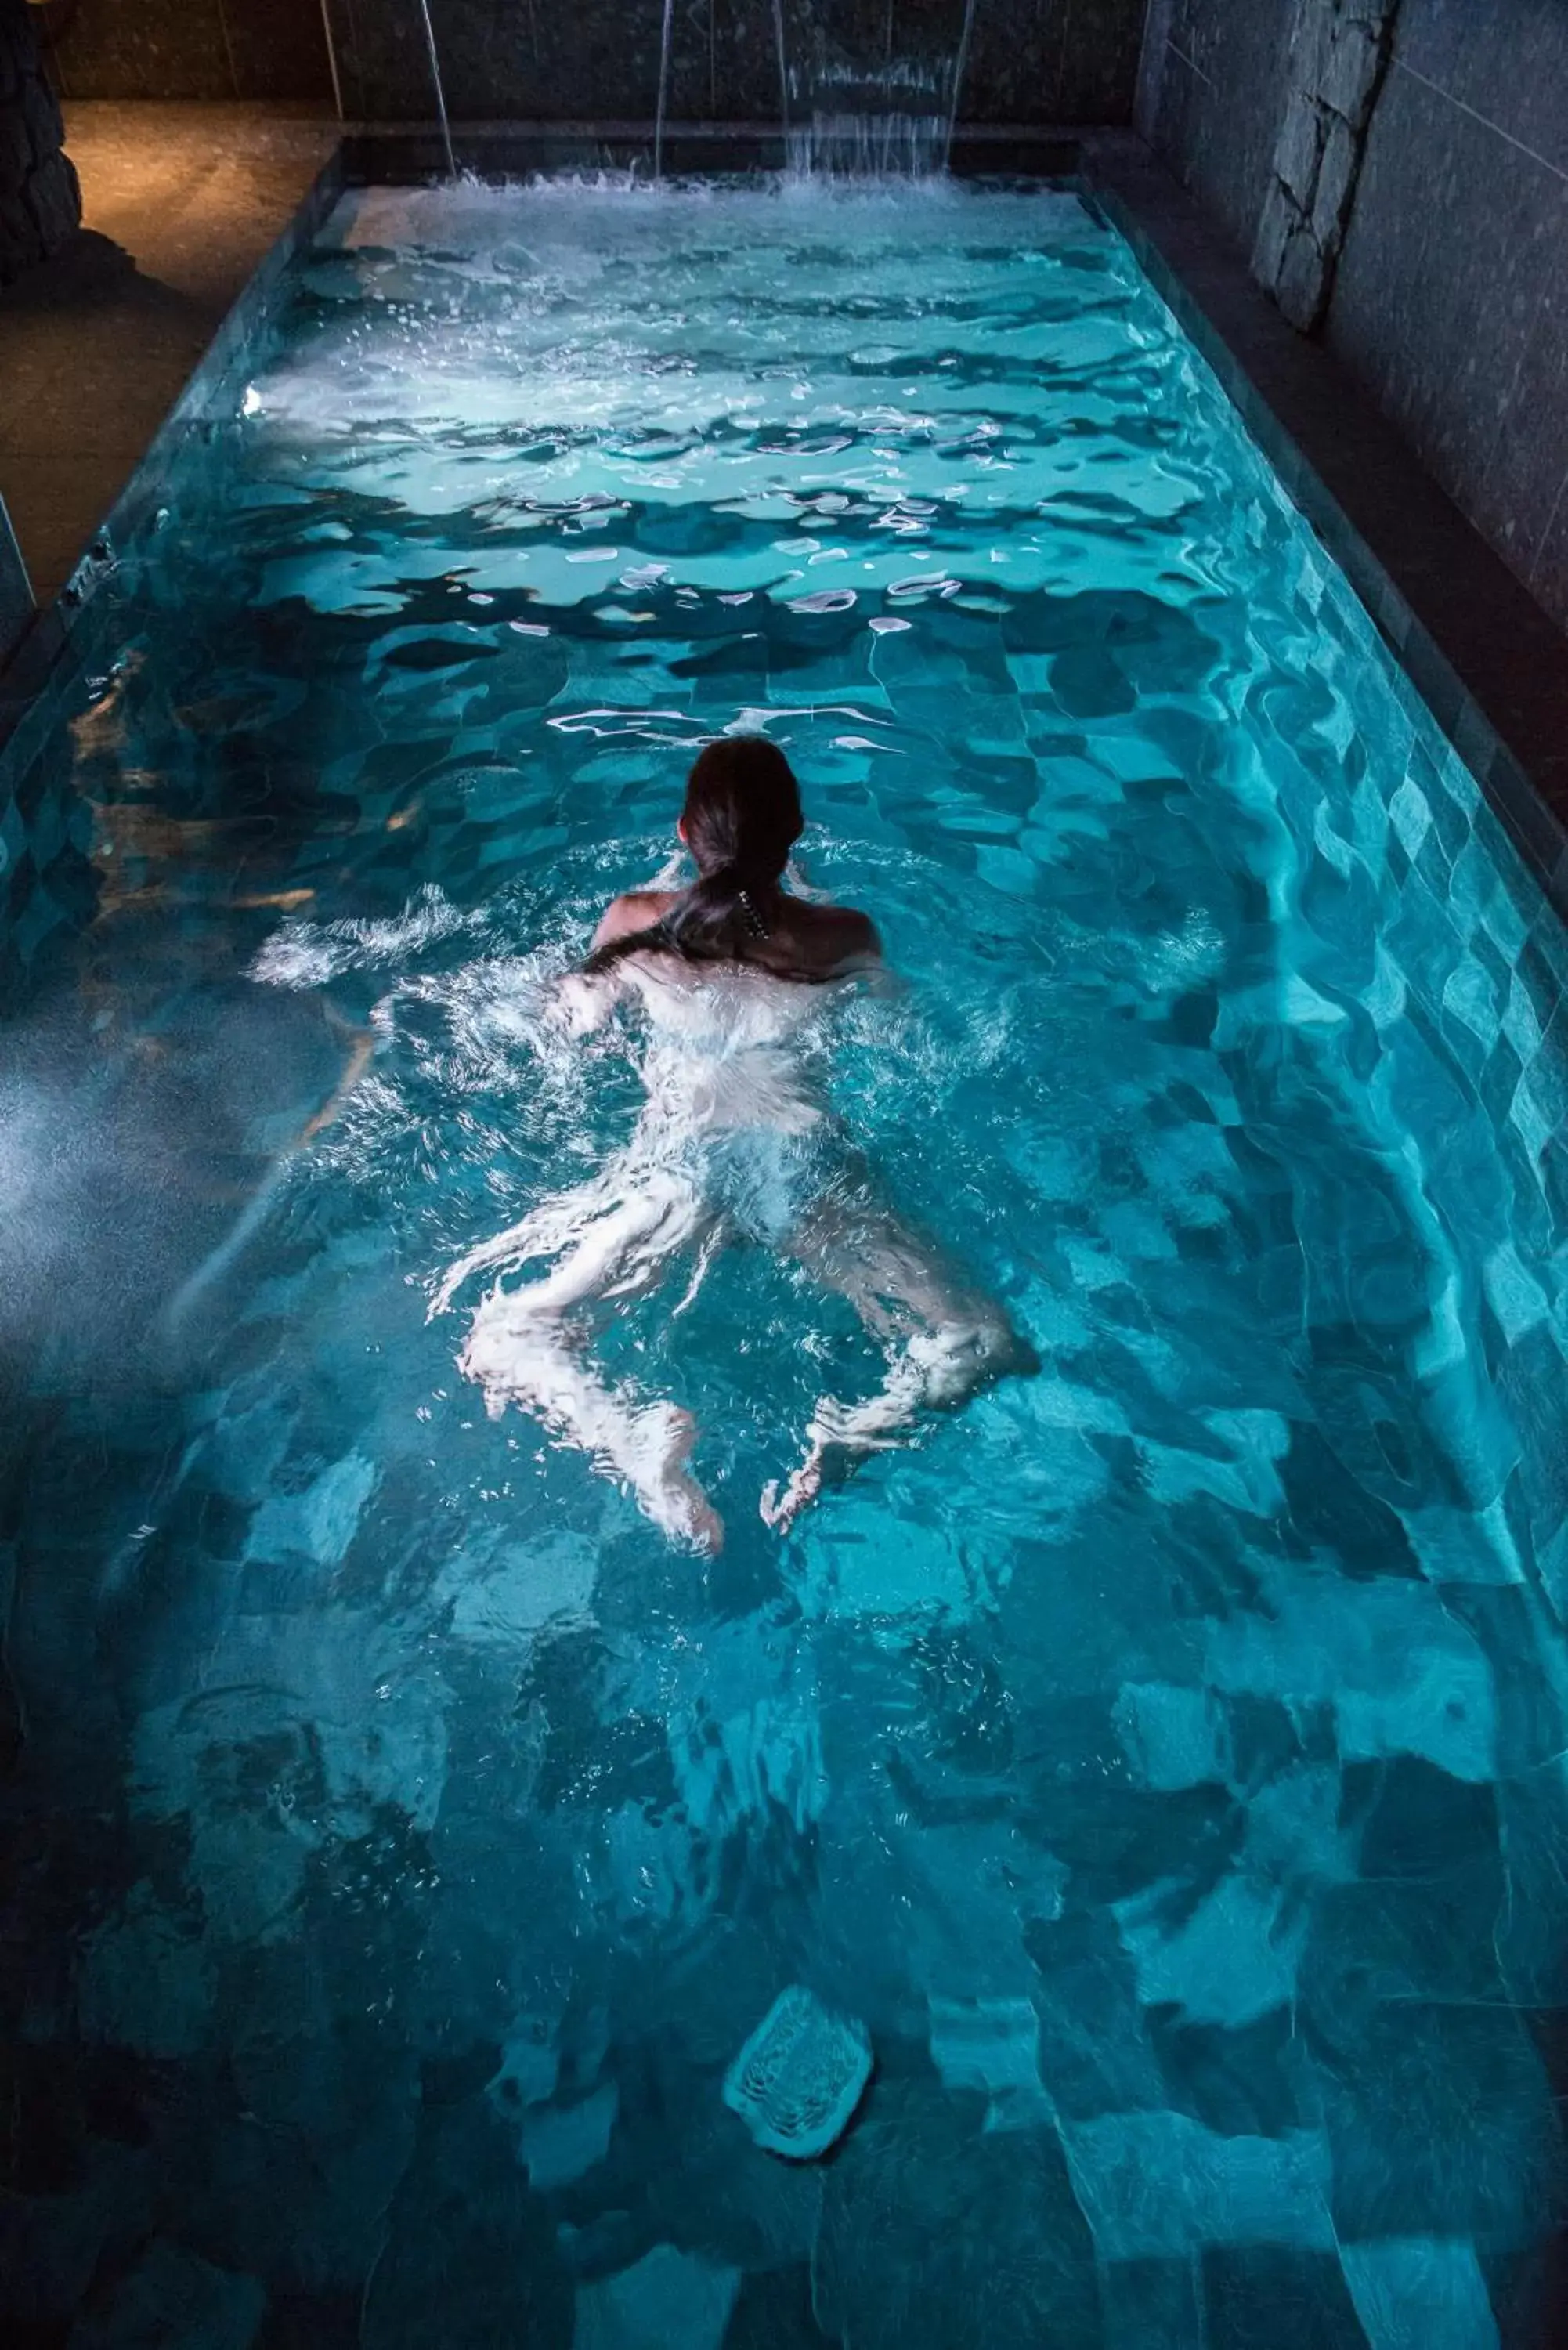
pixel 638 910
pixel 835 937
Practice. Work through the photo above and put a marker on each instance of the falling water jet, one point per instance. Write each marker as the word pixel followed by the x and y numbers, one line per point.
pixel 440 93
pixel 959 64
pixel 783 68
pixel 663 89
pixel 860 122
pixel 332 58
pixel 888 125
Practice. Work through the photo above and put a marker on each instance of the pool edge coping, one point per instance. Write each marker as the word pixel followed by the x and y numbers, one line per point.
pixel 37 670
pixel 1441 598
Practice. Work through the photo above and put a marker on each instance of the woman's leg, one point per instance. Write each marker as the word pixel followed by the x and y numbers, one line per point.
pixel 522 1349
pixel 944 1341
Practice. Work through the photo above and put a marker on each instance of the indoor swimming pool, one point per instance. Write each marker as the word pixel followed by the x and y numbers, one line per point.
pixel 1159 1764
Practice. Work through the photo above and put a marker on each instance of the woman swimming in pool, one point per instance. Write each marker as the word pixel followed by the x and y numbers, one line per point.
pixel 731 1144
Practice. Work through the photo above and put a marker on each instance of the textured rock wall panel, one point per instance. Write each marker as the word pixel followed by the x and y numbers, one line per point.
pixel 1338 55
pixel 40 203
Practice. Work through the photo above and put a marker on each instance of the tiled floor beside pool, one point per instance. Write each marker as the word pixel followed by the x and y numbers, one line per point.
pixel 1161 1762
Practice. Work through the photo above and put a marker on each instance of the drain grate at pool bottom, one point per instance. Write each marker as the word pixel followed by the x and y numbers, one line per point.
pixel 800 2076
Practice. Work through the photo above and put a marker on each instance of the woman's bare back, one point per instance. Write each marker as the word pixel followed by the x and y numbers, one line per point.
pixel 800 941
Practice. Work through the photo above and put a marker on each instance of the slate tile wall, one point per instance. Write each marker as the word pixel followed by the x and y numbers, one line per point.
pixel 1451 299
pixel 1214 94
pixel 258 49
pixel 1028 61
pixel 1452 296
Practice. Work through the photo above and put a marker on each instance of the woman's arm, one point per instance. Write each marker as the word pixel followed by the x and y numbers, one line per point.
pixel 582 1000
pixel 848 943
pixel 638 910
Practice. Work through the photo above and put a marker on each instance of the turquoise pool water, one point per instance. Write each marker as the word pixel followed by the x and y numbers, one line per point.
pixel 1161 1761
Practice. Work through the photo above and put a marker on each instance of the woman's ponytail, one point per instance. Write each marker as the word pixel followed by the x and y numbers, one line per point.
pixel 741 819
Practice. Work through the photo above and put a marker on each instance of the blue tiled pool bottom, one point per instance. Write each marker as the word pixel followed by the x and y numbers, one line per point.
pixel 1162 1761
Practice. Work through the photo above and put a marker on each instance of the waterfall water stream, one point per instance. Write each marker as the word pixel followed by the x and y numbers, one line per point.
pixel 440 92
pixel 663 88
pixel 784 65
pixel 959 63
pixel 887 118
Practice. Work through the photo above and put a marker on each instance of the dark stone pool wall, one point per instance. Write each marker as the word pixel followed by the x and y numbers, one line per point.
pixel 1449 301
pixel 40 204
pixel 597 61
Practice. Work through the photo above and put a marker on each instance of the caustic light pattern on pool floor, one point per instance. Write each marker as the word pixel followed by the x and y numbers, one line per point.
pixel 1161 1762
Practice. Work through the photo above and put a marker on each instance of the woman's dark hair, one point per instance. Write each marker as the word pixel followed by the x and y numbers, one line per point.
pixel 741 819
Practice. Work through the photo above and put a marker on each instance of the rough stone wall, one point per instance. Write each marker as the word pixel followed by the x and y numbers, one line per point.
pixel 40 203
pixel 1338 55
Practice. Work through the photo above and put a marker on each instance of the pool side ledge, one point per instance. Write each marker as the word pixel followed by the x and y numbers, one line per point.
pixel 35 674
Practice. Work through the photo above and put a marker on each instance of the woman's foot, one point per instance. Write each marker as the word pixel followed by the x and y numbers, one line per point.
pixel 781 1504
pixel 838 1437
pixel 666 1490
pixel 936 1370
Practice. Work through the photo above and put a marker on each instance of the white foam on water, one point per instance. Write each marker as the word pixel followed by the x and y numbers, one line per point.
pixel 307 954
